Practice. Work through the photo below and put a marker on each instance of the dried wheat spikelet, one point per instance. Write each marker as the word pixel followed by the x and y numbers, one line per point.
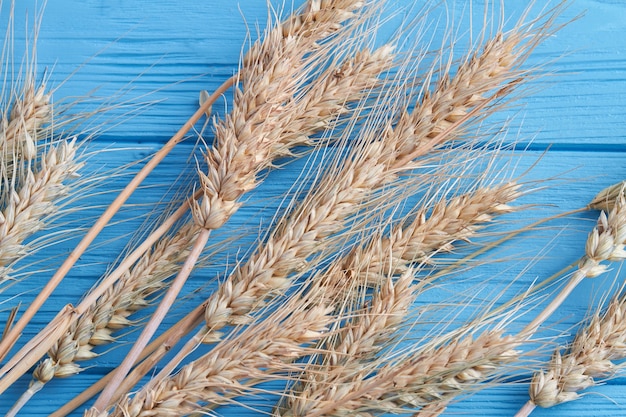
pixel 590 357
pixel 23 128
pixel 109 314
pixel 246 142
pixel 386 255
pixel 39 189
pixel 253 354
pixel 605 200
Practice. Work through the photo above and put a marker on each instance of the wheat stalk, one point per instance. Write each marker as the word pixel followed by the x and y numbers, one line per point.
pixel 593 348
pixel 605 243
pixel 339 85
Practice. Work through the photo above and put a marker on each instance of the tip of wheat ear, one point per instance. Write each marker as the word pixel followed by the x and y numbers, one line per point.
pixel 605 199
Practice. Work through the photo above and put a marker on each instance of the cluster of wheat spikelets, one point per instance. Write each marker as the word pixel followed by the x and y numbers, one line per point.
pixel 327 303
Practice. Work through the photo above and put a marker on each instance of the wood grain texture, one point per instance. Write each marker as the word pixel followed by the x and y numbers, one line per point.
pixel 573 124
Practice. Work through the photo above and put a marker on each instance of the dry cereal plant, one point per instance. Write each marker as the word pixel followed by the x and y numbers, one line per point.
pixel 353 219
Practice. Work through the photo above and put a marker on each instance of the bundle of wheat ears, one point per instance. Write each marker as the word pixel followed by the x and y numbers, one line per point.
pixel 386 279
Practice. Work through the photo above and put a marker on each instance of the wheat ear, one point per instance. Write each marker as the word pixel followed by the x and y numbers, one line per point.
pixel 435 229
pixel 590 356
pixel 375 264
pixel 339 85
pixel 247 141
pixel 592 348
pixel 605 200
pixel 35 197
pixel 255 353
pixel 21 130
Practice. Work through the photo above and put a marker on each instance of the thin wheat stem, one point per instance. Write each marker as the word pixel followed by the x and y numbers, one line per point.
pixel 554 304
pixel 34 388
pixel 526 410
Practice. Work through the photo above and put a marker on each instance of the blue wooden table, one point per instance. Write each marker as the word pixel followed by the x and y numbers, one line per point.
pixel 572 123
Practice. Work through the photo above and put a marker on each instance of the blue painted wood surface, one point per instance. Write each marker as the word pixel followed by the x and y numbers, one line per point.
pixel 165 52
